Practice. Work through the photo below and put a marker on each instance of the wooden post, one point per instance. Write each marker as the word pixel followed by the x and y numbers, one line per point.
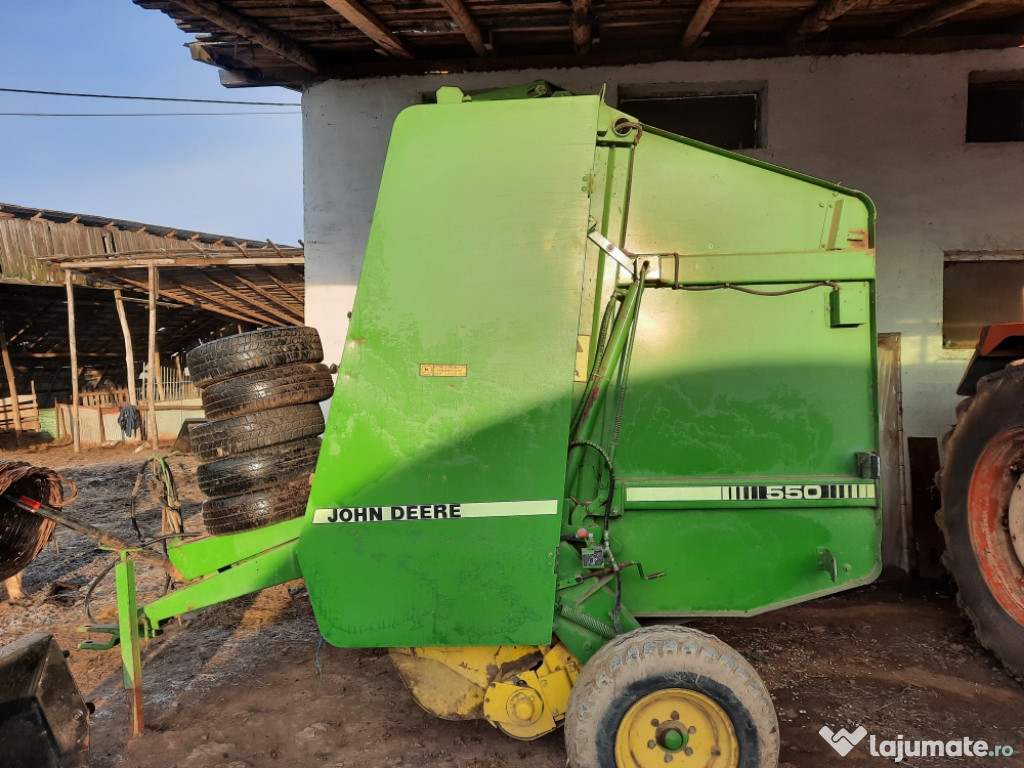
pixel 11 384
pixel 76 424
pixel 154 292
pixel 160 377
pixel 129 351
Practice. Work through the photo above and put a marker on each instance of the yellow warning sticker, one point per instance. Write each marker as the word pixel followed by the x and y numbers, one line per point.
pixel 445 370
pixel 582 358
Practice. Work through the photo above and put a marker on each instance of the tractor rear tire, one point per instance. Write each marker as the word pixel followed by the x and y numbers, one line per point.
pixel 258 469
pixel 269 388
pixel 248 511
pixel 706 701
pixel 223 358
pixel 253 431
pixel 982 475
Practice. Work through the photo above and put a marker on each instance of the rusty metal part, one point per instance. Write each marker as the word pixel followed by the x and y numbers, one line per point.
pixel 1015 519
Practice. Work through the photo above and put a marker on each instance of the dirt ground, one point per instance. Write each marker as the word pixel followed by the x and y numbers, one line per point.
pixel 247 684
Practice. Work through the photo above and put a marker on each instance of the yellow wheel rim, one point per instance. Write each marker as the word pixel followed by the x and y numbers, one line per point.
pixel 676 726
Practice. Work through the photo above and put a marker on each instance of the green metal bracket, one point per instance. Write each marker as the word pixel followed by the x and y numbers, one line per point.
pixel 267 569
pixel 106 629
pixel 869 465
pixel 210 555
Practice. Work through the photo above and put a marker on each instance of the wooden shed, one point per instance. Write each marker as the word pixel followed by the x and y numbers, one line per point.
pixel 75 294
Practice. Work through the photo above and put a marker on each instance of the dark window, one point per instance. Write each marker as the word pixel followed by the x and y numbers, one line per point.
pixel 726 120
pixel 979 293
pixel 995 111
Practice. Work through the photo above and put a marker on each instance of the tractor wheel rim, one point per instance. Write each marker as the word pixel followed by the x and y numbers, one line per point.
pixel 1015 519
pixel 676 725
pixel 994 490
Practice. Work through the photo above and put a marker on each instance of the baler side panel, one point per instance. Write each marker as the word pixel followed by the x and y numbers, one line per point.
pixel 475 259
pixel 730 388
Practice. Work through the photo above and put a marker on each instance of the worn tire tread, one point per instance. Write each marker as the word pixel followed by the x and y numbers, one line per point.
pixel 267 348
pixel 994 628
pixel 267 388
pixel 663 650
pixel 253 431
pixel 248 511
pixel 258 469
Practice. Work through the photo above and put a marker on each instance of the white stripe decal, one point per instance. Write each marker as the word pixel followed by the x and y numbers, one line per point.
pixel 762 493
pixel 692 493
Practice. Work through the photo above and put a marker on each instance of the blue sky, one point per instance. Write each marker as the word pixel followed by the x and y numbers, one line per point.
pixel 237 175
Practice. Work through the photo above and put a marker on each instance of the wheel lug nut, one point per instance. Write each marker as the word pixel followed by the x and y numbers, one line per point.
pixel 652 744
pixel 691 729
pixel 668 758
pixel 675 715
pixel 687 751
pixel 655 722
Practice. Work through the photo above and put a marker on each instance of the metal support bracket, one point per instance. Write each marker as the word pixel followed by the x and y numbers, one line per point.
pixel 827 562
pixel 617 254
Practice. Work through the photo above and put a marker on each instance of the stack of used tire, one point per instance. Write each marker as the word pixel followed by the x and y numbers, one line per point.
pixel 260 394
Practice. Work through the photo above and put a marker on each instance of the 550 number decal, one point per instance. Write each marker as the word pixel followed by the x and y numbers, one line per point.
pixel 793 491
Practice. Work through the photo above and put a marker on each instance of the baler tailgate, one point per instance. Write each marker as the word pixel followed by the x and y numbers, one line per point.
pixel 444 455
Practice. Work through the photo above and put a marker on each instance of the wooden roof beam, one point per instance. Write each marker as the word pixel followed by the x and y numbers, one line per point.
pixel 820 18
pixel 217 306
pixel 284 286
pixel 460 14
pixel 253 30
pixel 356 15
pixel 286 308
pixel 582 26
pixel 699 22
pixel 248 305
pixel 933 17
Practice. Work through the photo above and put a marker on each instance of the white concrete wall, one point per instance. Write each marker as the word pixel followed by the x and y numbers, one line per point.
pixel 890 125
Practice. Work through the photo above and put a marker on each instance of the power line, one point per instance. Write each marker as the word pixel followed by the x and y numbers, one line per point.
pixel 136 114
pixel 151 98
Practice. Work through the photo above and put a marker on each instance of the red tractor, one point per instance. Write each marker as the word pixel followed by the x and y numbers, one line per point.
pixel 982 486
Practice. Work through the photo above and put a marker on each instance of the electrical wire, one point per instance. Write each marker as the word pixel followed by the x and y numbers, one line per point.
pixel 150 98
pixel 756 292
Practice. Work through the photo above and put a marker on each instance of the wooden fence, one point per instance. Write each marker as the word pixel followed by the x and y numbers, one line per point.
pixel 28 409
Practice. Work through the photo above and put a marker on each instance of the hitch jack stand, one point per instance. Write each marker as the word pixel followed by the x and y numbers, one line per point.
pixel 128 628
pixel 126 634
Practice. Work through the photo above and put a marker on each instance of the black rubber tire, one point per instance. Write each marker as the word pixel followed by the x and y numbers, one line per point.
pixel 651 659
pixel 223 358
pixel 993 417
pixel 253 431
pixel 269 388
pixel 247 511
pixel 258 469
